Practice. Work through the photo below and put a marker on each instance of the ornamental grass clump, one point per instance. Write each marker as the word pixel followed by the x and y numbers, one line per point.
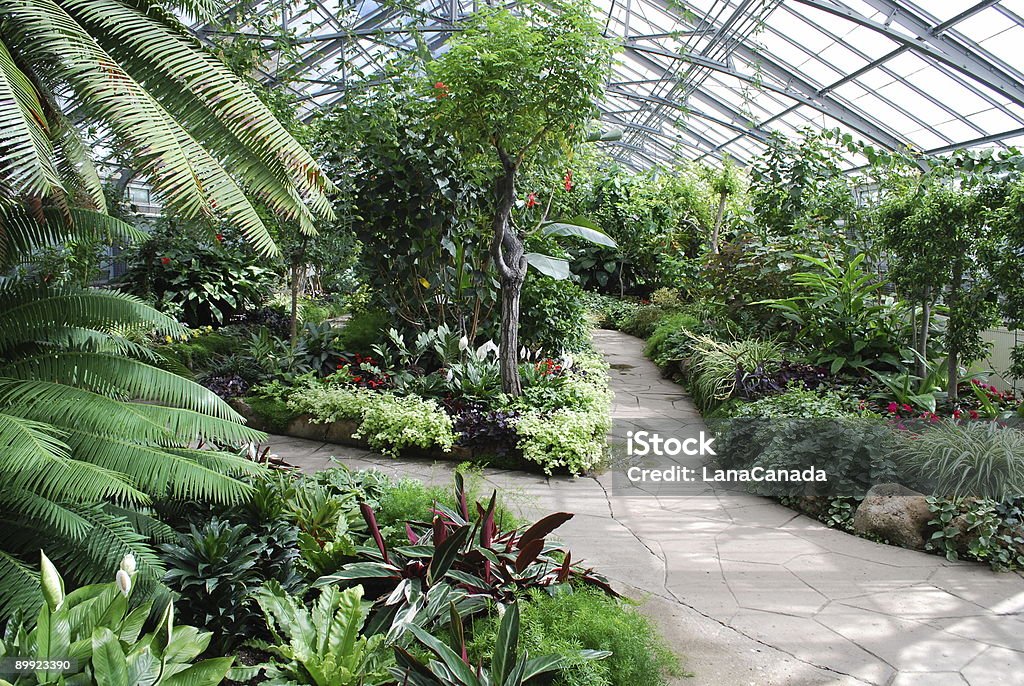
pixel 970 459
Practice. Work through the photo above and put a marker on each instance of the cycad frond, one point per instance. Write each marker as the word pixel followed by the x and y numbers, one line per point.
pixel 185 174
pixel 22 231
pixel 35 461
pixel 123 377
pixel 30 310
pixel 26 153
pixel 157 471
pixel 30 514
pixel 19 587
pixel 209 102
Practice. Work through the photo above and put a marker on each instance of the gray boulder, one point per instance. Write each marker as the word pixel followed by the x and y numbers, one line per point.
pixel 894 513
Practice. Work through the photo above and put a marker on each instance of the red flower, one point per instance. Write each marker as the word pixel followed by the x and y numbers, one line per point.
pixel 908 408
pixel 357 379
pixel 531 201
pixel 973 414
pixel 893 408
pixel 165 260
pixel 957 414
pixel 442 90
pixel 568 180
pixel 219 237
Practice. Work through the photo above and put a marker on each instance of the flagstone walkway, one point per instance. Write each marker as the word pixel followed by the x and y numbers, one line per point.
pixel 748 591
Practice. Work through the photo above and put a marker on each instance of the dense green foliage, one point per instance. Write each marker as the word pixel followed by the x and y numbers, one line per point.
pixel 588 620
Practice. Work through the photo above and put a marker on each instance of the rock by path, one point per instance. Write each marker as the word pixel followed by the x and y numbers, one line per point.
pixel 748 591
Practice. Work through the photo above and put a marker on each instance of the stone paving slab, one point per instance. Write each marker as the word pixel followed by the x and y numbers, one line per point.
pixel 748 591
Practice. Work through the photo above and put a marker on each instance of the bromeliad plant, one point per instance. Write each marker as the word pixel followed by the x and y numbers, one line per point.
pixel 451 667
pixel 98 631
pixel 469 554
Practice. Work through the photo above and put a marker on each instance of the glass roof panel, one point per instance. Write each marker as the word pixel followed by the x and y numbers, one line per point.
pixel 931 74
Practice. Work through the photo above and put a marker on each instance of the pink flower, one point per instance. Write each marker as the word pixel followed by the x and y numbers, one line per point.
pixel 893 408
pixel 907 408
pixel 568 180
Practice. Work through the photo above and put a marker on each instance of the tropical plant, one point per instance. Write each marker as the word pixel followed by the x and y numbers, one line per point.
pixel 80 461
pixel 966 459
pixel 469 554
pixel 194 277
pixel 714 364
pixel 96 630
pixel 320 645
pixel 841 317
pixel 213 569
pixel 451 666
pixel 183 120
pixel 93 431
pixel 514 90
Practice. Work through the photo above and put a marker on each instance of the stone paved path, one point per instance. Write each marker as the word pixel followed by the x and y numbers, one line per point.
pixel 749 592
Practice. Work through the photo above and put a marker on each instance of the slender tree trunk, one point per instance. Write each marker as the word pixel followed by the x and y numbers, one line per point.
pixel 296 287
pixel 914 329
pixel 509 256
pixel 953 352
pixel 718 223
pixel 926 327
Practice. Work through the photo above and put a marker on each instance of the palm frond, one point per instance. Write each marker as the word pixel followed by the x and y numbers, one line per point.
pixel 26 153
pixel 30 310
pixel 156 471
pixel 117 376
pixel 22 231
pixel 211 103
pixel 19 588
pixel 191 181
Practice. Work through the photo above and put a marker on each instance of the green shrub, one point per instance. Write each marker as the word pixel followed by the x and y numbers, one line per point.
pixel 642 321
pixel 275 413
pixel 564 425
pixel 713 365
pixel 196 277
pixel 387 422
pixel 663 343
pixel 972 459
pixel 553 315
pixel 586 619
pixel 363 330
pixel 796 401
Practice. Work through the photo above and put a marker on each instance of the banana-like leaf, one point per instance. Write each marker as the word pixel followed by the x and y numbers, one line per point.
pixel 580 228
pixel 555 267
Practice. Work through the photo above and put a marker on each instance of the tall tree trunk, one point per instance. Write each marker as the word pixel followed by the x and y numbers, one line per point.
pixel 926 327
pixel 718 223
pixel 296 287
pixel 952 335
pixel 509 256
pixel 914 329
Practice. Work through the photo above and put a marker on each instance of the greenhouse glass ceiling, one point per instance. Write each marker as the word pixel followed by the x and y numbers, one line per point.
pixel 704 79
